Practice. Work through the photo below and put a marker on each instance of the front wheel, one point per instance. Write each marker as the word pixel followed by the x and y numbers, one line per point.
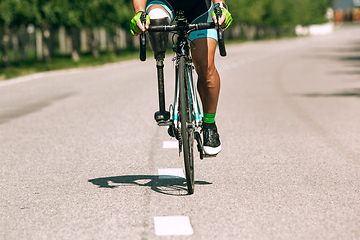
pixel 187 128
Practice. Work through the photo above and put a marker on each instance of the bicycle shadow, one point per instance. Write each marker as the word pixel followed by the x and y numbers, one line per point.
pixel 168 185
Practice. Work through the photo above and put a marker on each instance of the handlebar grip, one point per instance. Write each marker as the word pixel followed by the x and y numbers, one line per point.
pixel 143 39
pixel 206 25
pixel 220 33
pixel 221 42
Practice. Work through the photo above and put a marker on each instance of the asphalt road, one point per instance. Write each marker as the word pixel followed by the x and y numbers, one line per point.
pixel 80 152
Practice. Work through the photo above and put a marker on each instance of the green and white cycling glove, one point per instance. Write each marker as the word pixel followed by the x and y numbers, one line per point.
pixel 133 23
pixel 225 11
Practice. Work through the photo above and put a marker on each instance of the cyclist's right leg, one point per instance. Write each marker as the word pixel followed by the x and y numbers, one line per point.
pixel 160 14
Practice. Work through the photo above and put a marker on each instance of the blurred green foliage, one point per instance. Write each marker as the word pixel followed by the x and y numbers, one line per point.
pixel 77 13
pixel 46 15
pixel 279 12
pixel 105 13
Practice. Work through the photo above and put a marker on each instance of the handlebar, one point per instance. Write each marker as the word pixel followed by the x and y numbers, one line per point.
pixel 188 28
pixel 220 32
pixel 143 39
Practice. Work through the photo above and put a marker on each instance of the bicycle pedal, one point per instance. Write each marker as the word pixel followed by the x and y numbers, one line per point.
pixel 162 116
pixel 209 156
pixel 164 123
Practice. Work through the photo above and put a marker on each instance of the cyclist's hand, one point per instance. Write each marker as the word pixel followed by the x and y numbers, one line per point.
pixel 136 27
pixel 225 20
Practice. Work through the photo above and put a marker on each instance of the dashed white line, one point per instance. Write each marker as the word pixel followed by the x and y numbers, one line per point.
pixel 172 225
pixel 170 173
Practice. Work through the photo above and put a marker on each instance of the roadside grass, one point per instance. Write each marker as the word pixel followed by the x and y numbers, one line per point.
pixel 21 68
pixel 58 62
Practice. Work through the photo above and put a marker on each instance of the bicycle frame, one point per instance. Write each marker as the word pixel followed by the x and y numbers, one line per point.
pixel 182 49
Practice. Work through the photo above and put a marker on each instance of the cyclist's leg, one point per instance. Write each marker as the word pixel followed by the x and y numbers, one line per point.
pixel 158 6
pixel 209 89
pixel 160 13
pixel 157 11
pixel 209 79
pixel 203 51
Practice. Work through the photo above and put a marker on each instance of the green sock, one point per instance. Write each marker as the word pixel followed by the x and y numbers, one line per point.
pixel 209 118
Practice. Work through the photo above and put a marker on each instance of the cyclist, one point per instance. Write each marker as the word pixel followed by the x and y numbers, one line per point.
pixel 161 12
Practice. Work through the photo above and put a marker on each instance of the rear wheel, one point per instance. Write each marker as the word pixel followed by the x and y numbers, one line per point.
pixel 187 128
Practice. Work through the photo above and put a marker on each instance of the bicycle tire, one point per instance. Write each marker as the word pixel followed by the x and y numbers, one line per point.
pixel 187 131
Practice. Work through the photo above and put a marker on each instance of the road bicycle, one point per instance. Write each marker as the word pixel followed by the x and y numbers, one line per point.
pixel 184 119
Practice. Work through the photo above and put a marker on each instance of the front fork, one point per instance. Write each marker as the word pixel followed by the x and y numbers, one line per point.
pixel 174 127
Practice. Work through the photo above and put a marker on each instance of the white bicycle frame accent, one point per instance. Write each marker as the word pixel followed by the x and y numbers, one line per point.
pixel 193 97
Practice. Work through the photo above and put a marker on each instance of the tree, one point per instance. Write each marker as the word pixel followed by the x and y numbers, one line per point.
pixel 68 13
pixel 109 14
pixel 279 12
pixel 14 13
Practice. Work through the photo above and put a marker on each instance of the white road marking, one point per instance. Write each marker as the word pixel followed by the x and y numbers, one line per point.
pixel 170 173
pixel 172 225
pixel 170 144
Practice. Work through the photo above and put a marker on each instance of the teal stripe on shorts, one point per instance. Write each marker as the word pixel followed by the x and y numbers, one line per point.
pixel 205 33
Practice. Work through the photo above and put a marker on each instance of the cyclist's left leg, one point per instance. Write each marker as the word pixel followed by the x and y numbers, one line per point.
pixel 209 89
pixel 209 79
pixel 203 51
